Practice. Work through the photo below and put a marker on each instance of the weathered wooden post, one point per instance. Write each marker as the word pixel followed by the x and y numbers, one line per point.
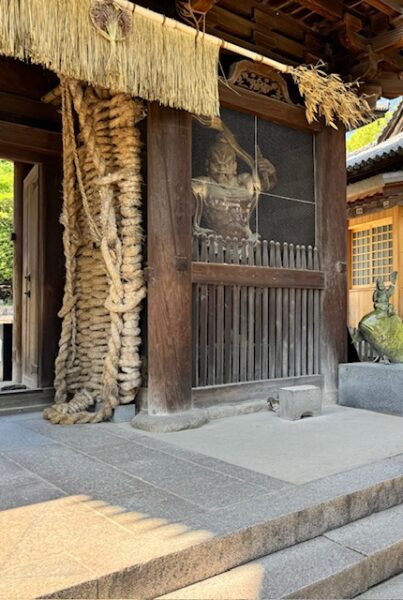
pixel 330 167
pixel 169 243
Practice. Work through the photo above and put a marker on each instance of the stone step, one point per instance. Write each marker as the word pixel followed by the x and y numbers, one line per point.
pixel 227 538
pixel 343 563
pixel 391 589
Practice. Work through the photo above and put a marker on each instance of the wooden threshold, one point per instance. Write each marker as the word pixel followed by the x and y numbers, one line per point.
pixel 19 401
pixel 213 395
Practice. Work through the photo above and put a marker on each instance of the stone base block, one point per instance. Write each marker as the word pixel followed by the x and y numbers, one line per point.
pixel 372 386
pixel 172 422
pixel 300 401
pixel 124 413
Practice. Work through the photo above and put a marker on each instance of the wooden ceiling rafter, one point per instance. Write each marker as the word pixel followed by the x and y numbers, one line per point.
pixel 361 38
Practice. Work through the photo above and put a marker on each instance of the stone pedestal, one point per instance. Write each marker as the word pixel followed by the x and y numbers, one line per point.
pixel 372 386
pixel 300 401
pixel 189 419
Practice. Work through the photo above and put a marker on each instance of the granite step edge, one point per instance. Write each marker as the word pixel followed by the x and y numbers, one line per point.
pixel 318 568
pixel 227 550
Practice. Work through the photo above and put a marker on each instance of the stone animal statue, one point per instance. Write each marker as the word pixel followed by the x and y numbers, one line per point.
pixel 382 328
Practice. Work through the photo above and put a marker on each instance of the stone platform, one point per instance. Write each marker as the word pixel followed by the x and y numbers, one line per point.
pixel 104 511
pixel 372 386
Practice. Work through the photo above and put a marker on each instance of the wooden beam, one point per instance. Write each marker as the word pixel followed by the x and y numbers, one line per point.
pixel 169 242
pixel 388 7
pixel 267 108
pixel 223 274
pixel 15 135
pixel 389 40
pixel 330 175
pixel 330 9
pixel 28 111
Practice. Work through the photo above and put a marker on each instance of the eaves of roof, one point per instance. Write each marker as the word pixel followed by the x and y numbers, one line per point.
pixel 374 154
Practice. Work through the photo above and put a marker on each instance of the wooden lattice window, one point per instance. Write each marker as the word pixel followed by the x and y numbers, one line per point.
pixel 372 254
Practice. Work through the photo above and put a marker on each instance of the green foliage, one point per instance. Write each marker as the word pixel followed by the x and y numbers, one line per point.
pixel 367 134
pixel 6 226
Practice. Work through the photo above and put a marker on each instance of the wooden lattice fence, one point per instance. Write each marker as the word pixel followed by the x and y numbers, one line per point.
pixel 256 310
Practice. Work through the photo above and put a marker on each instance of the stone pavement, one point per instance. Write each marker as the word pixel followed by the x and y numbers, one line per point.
pixel 297 451
pixel 75 501
pixel 79 503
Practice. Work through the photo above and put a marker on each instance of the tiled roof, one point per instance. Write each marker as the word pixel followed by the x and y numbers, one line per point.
pixel 368 156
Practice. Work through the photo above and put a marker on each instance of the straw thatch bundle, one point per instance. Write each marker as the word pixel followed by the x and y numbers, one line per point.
pixel 108 44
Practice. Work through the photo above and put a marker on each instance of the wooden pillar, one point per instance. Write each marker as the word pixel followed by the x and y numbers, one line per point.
pixel 169 242
pixel 53 265
pixel 331 182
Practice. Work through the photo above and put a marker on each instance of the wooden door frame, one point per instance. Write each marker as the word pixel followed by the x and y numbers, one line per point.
pixel 35 310
pixel 26 146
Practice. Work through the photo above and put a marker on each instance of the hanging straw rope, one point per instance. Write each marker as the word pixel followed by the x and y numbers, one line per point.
pixel 98 359
pixel 124 47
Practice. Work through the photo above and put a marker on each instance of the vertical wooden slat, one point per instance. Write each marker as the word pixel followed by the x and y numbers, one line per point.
pixel 279 317
pixel 265 316
pixel 258 317
pixel 316 317
pixel 229 249
pixel 304 303
pixel 272 317
pixel 244 319
pixel 195 318
pixel 291 348
pixel 220 316
pixel 310 316
pixel 251 319
pixel 236 320
pixel 298 323
pixel 211 332
pixel 203 317
pixel 285 311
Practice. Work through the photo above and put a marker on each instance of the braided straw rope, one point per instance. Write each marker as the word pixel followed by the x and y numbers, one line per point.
pixel 98 359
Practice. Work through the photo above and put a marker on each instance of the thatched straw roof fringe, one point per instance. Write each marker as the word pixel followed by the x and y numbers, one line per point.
pixel 124 47
pixel 124 51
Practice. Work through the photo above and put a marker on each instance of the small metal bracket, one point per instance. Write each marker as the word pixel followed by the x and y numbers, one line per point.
pixel 341 267
pixel 181 263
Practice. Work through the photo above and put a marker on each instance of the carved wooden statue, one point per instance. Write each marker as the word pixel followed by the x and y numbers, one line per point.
pixel 225 199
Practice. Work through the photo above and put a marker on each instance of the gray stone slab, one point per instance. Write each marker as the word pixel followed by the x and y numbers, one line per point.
pixel 392 589
pixel 14 436
pixel 369 535
pixel 156 503
pixel 318 506
pixel 75 473
pixel 314 569
pixel 143 448
pixel 13 496
pixel 13 474
pixel 81 437
pixel 372 386
pixel 204 487
pixel 380 537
